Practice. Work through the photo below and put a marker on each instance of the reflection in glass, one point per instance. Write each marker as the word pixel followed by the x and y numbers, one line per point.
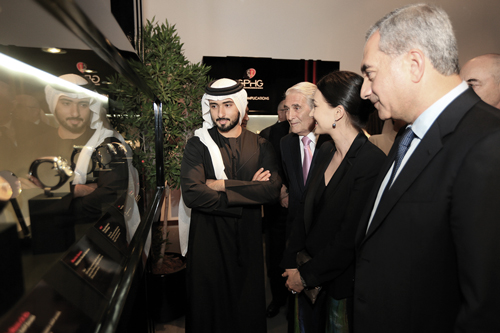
pixel 50 173
pixel 10 186
pixel 42 115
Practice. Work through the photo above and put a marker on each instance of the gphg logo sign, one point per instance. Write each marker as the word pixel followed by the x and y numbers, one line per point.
pixel 249 84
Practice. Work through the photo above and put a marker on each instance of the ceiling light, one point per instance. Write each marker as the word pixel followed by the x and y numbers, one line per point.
pixel 53 50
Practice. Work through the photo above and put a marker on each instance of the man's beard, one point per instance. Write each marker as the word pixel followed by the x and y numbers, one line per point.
pixel 226 128
pixel 74 129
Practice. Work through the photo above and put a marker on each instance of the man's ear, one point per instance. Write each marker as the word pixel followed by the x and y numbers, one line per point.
pixel 416 59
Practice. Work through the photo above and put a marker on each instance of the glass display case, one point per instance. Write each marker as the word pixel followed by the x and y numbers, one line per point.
pixel 72 237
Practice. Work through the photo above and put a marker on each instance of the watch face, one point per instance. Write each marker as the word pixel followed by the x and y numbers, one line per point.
pixel 47 174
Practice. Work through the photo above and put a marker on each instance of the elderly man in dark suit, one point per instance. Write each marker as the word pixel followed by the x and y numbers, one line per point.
pixel 298 153
pixel 298 104
pixel 428 246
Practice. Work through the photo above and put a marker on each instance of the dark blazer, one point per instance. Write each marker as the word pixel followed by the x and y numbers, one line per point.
pixel 292 169
pixel 430 260
pixel 328 226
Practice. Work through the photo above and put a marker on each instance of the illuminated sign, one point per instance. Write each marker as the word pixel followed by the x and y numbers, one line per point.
pixel 249 84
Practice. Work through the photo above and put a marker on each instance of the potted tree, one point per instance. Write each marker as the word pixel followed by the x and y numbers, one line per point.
pixel 166 284
pixel 179 85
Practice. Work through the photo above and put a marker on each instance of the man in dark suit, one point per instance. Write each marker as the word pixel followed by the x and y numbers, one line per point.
pixel 427 246
pixel 275 222
pixel 298 105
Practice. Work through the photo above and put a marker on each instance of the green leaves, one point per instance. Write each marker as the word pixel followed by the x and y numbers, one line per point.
pixel 178 84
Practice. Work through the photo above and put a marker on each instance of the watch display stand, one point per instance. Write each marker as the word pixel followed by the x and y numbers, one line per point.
pixel 52 223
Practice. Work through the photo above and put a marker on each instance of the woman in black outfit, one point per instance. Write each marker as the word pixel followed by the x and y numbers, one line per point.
pixel 342 179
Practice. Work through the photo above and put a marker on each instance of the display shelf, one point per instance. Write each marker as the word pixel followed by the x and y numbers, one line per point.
pixel 85 287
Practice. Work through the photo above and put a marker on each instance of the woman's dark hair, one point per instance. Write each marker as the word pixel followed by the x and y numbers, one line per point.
pixel 343 88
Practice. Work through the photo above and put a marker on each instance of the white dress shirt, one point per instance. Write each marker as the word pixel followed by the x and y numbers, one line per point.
pixel 420 127
pixel 312 145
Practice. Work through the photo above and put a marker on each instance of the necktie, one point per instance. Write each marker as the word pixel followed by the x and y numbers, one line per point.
pixel 306 163
pixel 404 144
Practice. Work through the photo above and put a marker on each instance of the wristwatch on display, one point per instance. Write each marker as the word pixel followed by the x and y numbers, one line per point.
pixel 57 163
pixel 94 160
pixel 101 156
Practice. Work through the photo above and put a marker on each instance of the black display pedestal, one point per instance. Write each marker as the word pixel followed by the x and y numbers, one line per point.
pixel 52 223
pixel 11 279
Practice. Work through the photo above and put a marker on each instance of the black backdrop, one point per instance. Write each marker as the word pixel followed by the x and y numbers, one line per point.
pixel 267 79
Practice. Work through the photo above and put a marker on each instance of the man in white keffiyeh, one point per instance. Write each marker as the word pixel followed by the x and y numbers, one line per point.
pixel 238 96
pixel 227 173
pixel 83 123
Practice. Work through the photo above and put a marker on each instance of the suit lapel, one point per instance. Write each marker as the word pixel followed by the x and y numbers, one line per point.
pixel 338 176
pixel 296 160
pixel 314 161
pixel 429 146
pixel 373 195
pixel 420 158
pixel 321 139
pixel 317 172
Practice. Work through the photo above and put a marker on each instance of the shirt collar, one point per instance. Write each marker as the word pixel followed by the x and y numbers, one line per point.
pixel 422 124
pixel 311 136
